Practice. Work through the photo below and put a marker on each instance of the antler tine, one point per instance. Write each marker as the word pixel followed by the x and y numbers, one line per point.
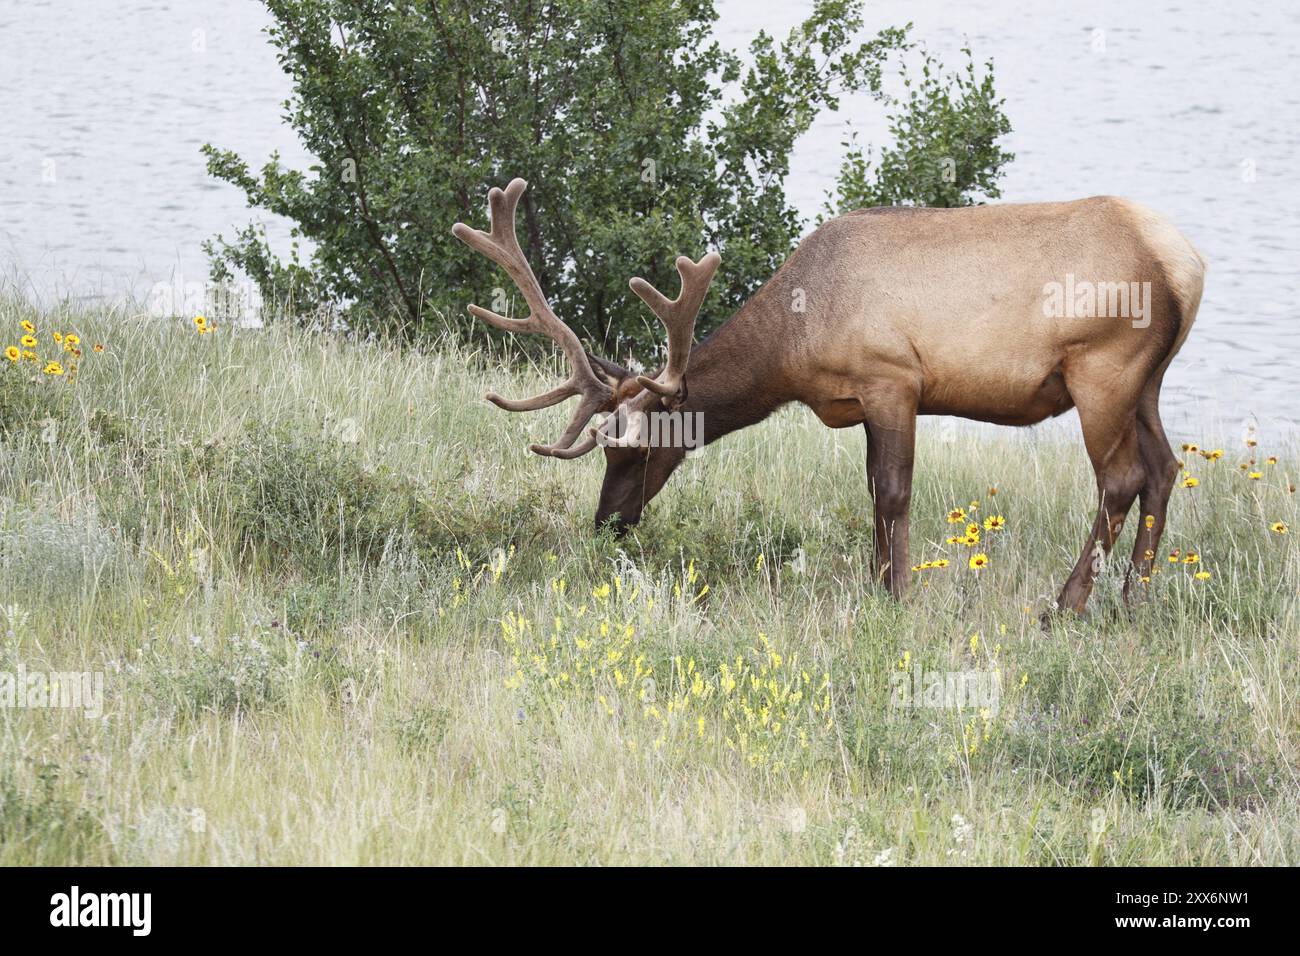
pixel 678 316
pixel 501 245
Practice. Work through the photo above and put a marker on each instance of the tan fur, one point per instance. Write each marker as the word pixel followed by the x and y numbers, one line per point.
pixel 1183 266
pixel 948 303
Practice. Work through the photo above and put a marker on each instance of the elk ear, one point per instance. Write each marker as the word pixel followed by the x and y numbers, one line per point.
pixel 610 372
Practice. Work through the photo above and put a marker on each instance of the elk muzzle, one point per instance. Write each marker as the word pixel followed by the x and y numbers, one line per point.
pixel 633 476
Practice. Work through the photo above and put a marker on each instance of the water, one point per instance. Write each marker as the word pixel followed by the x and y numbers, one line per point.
pixel 102 186
pixel 1188 107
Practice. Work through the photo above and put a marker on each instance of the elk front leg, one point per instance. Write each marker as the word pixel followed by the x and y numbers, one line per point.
pixel 890 451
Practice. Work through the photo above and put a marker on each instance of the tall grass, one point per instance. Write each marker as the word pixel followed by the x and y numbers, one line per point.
pixel 345 617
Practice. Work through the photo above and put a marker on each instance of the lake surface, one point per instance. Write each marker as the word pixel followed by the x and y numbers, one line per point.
pixel 1191 108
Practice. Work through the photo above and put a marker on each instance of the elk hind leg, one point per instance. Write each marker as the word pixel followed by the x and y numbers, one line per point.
pixel 1161 468
pixel 1112 442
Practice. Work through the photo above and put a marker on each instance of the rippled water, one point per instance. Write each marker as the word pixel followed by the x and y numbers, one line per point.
pixel 105 105
pixel 1191 108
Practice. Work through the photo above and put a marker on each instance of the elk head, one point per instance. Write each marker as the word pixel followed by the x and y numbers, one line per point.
pixel 634 471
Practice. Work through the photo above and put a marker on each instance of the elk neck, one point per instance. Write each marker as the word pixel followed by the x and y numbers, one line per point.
pixel 739 375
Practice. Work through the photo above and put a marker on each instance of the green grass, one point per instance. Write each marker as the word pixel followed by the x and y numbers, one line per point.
pixel 345 617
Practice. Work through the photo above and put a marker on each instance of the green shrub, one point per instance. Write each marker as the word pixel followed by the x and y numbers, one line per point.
pixel 241 674
pixel 1170 746
pixel 41 825
pixel 605 107
pixel 30 401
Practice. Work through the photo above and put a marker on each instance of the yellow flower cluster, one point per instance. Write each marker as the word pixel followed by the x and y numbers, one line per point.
pixel 771 708
pixel 1252 472
pixel 975 733
pixel 67 348
pixel 971 536
pixel 763 707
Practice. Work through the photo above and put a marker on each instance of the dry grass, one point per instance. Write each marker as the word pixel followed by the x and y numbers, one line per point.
pixel 323 579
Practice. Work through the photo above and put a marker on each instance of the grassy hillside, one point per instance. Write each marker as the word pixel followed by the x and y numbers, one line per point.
pixel 343 616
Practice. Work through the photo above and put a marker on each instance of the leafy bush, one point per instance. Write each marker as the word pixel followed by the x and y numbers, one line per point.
pixel 412 110
pixel 945 150
pixel 41 825
pixel 757 541
pixel 305 501
pixel 28 401
pixel 241 675
pixel 1173 748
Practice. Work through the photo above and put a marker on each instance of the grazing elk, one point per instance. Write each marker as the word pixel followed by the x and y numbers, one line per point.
pixel 973 312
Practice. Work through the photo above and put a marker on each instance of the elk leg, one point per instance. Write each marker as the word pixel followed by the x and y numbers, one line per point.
pixel 1112 442
pixel 889 473
pixel 1161 469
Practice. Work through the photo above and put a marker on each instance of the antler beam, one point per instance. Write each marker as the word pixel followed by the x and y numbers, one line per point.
pixel 501 245
pixel 678 316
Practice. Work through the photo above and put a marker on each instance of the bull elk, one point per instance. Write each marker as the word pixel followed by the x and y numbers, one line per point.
pixel 907 312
